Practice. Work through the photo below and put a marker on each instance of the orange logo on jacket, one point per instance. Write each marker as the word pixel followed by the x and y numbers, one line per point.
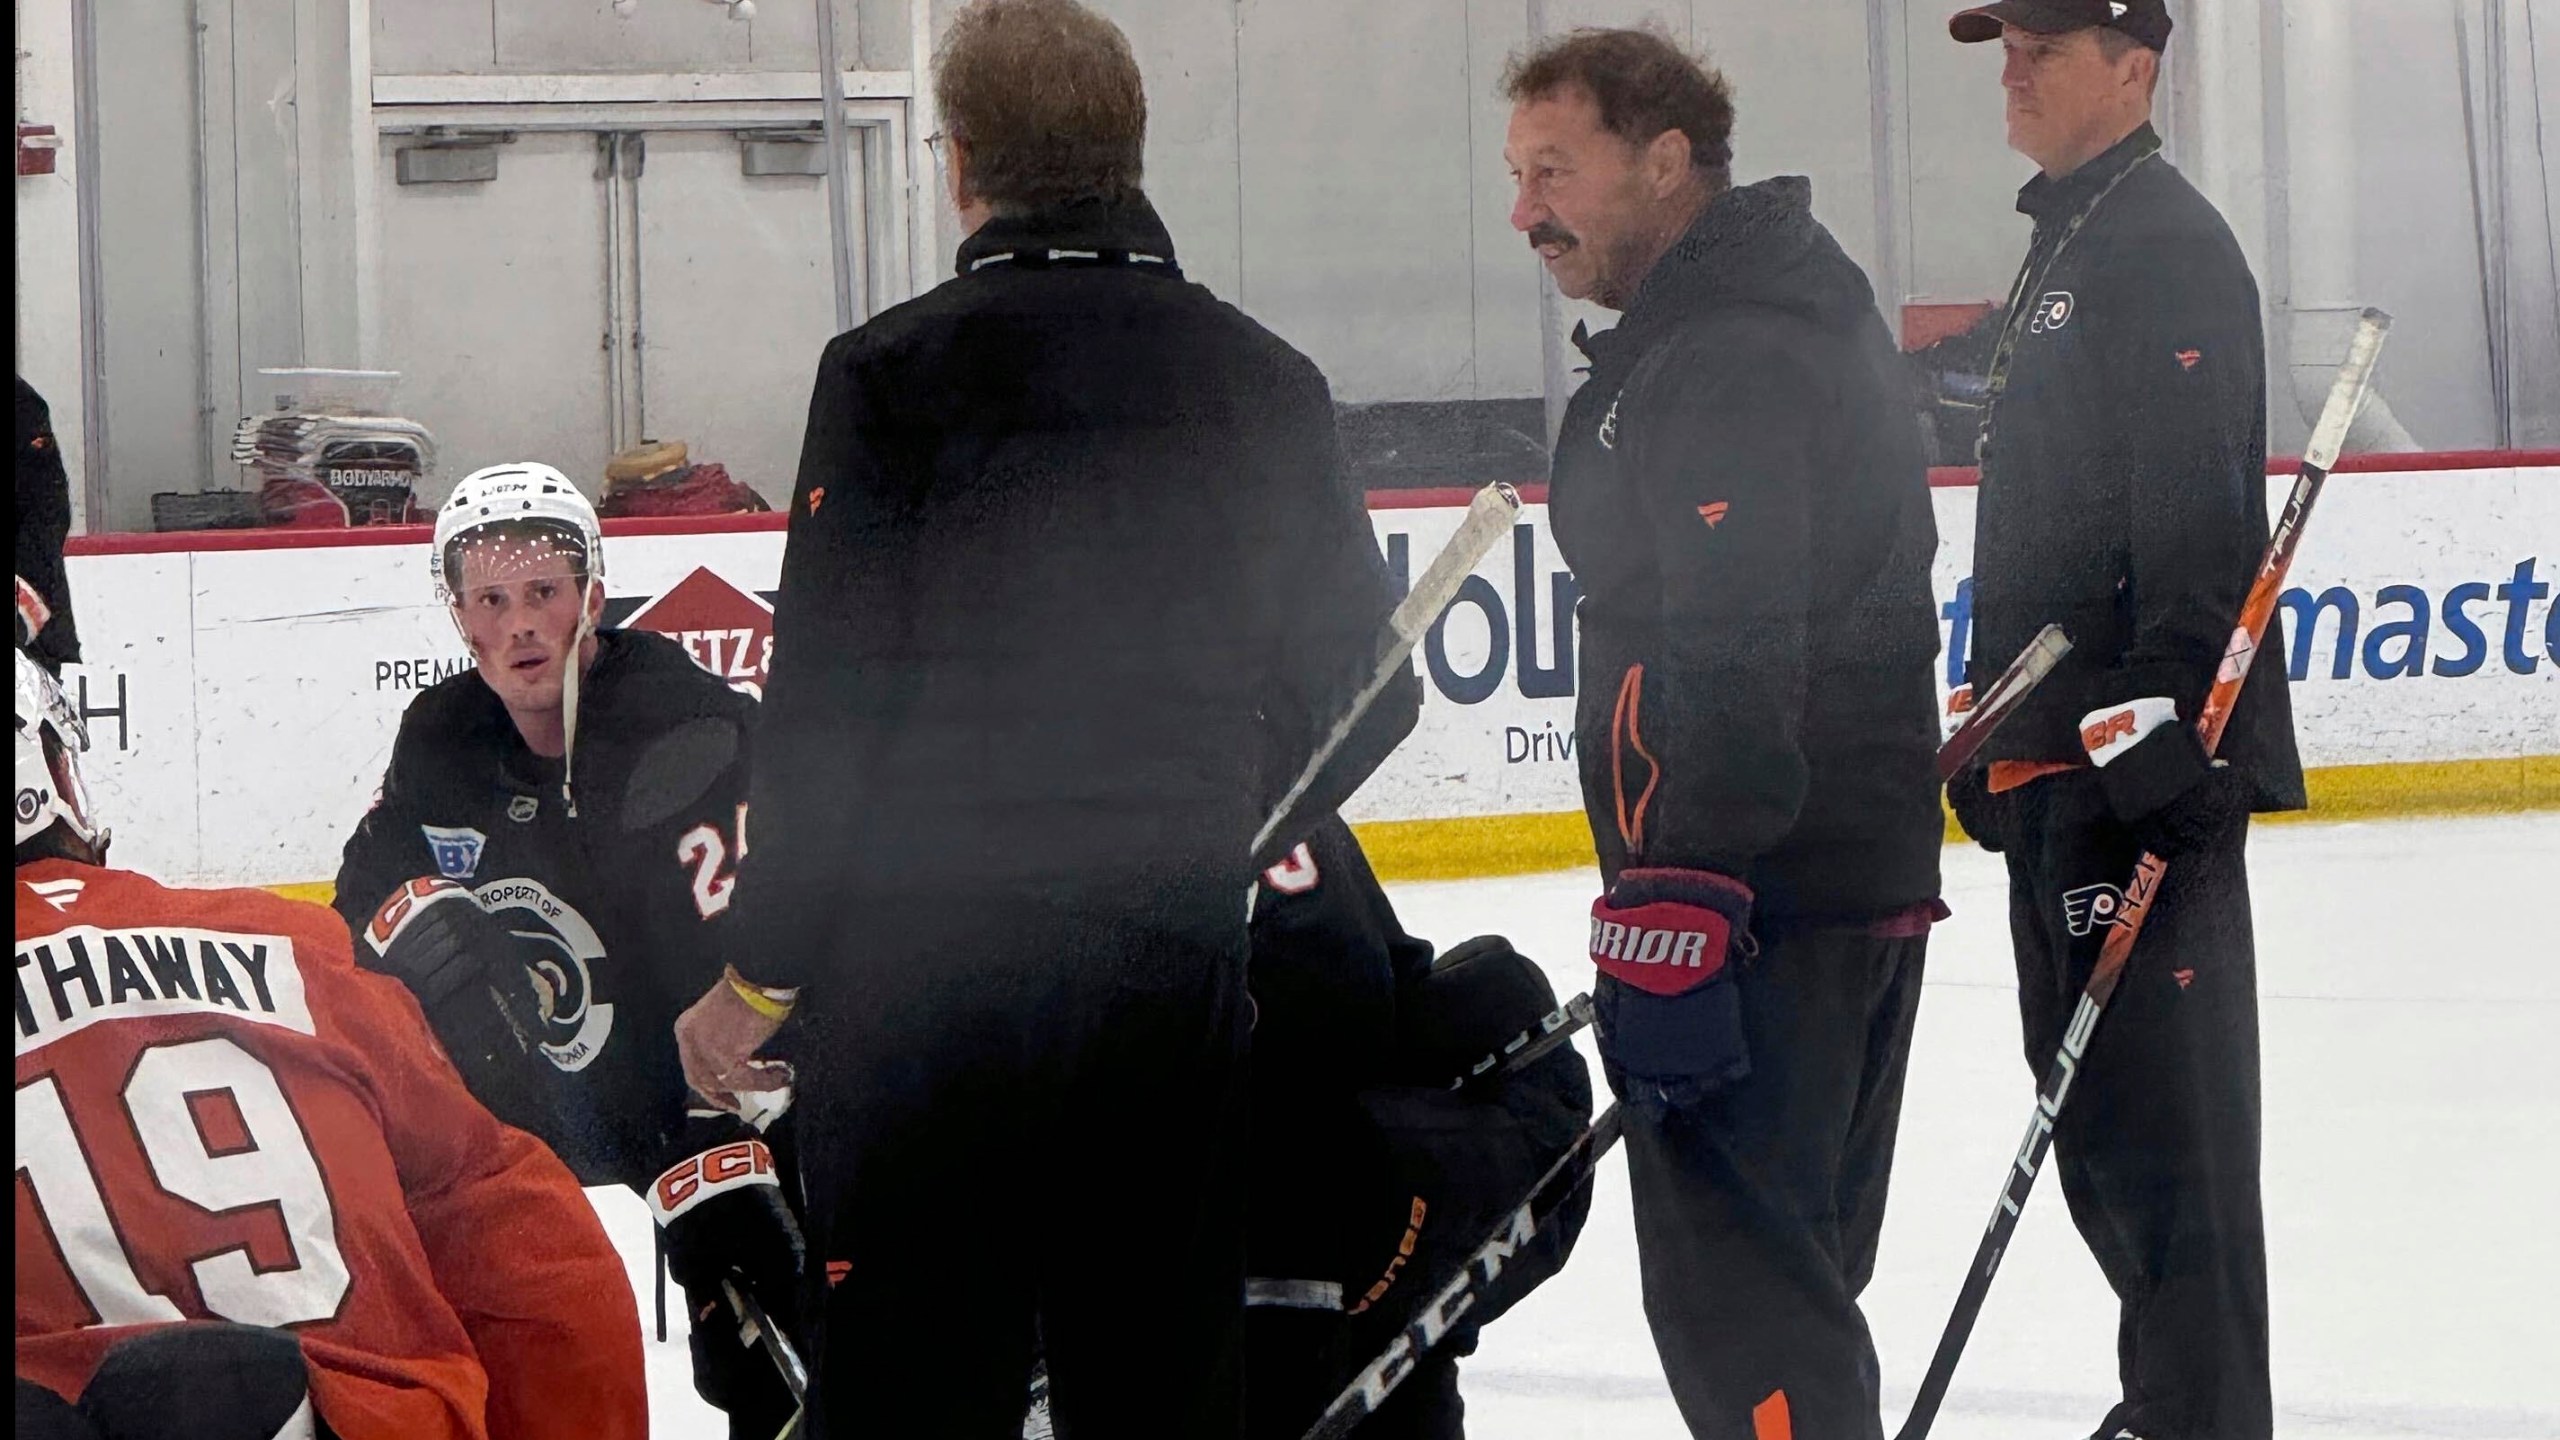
pixel 2187 359
pixel 1713 512
pixel 817 497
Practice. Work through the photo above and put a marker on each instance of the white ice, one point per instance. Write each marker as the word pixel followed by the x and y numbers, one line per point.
pixel 2410 990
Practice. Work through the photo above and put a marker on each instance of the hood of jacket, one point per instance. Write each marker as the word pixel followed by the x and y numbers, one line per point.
pixel 1755 244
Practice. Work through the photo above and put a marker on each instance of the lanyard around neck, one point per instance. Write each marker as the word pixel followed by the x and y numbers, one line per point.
pixel 2030 276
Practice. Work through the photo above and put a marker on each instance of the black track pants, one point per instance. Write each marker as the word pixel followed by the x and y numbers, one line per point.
pixel 1757 1212
pixel 1020 1136
pixel 2158 1143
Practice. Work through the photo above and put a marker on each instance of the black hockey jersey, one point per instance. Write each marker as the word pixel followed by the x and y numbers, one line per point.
pixel 1366 1171
pixel 630 891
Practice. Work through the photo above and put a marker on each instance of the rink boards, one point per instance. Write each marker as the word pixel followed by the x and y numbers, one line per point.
pixel 243 690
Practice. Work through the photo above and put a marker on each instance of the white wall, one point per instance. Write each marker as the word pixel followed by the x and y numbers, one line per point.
pixel 1333 165
pixel 47 228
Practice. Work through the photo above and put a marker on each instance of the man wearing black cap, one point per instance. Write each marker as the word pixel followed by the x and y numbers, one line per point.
pixel 2123 497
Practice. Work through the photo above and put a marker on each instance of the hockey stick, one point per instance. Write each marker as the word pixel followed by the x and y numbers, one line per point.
pixel 2346 396
pixel 1530 1045
pixel 1434 1320
pixel 2023 675
pixel 757 1328
pixel 1488 519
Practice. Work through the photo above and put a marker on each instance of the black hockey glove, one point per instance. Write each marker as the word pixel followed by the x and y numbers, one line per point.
pixel 1667 943
pixel 725 1219
pixel 2208 813
pixel 1990 820
pixel 475 980
pixel 2158 779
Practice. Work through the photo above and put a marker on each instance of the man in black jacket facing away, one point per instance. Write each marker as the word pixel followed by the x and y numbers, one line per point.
pixel 45 629
pixel 1740 489
pixel 1075 584
pixel 2124 498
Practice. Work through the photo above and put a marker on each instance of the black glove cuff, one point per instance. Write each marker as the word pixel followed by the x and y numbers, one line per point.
pixel 2162 766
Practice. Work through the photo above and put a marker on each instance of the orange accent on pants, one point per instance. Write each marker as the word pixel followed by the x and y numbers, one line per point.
pixel 1769 1419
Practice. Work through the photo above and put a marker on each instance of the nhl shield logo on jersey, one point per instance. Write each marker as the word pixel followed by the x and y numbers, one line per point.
pixel 2090 907
pixel 726 630
pixel 575 1024
pixel 456 849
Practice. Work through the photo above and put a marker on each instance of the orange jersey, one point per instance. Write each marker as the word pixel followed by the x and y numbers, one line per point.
pixel 220 1117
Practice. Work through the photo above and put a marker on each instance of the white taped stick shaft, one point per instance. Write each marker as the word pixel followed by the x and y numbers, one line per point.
pixel 1992 708
pixel 1489 518
pixel 2034 663
pixel 2347 393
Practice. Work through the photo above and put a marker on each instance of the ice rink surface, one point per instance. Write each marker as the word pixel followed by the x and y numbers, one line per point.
pixel 2410 990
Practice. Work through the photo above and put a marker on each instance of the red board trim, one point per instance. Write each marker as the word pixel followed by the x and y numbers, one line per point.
pixel 1941 477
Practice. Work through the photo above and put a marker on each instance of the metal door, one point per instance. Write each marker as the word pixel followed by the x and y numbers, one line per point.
pixel 493 302
pixel 736 298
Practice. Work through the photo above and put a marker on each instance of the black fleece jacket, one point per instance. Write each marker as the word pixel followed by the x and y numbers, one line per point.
pixel 1740 488
pixel 2124 467
pixel 1075 585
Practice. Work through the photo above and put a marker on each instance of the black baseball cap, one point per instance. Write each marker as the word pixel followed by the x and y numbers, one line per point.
pixel 2147 21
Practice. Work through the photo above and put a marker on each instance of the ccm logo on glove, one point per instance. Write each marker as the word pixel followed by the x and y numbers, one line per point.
pixel 1667 931
pixel 715 1171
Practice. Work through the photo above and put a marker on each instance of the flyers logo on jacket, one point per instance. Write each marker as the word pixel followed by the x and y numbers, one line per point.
pixel 727 631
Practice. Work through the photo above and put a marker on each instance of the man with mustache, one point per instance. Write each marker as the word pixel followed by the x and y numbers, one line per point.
pixel 1739 487
pixel 2124 497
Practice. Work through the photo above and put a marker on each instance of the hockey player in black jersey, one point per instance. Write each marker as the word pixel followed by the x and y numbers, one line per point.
pixel 548 866
pixel 1370 1180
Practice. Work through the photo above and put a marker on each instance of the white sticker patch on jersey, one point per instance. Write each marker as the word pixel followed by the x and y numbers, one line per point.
pixel 456 849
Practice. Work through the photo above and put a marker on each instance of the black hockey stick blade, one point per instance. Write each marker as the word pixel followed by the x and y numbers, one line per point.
pixel 1489 518
pixel 1529 1046
pixel 757 1328
pixel 2001 701
pixel 1442 1312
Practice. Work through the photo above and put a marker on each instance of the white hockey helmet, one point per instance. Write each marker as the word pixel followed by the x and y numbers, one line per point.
pixel 50 739
pixel 524 493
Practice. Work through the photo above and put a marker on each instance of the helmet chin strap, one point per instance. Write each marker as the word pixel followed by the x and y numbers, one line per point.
pixel 569 693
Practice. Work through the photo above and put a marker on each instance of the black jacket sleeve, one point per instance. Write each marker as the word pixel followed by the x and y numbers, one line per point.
pixel 802 832
pixel 686 801
pixel 2184 351
pixel 44 522
pixel 1327 595
pixel 1710 766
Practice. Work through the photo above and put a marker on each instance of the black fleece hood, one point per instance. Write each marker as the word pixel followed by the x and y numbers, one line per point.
pixel 1757 244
